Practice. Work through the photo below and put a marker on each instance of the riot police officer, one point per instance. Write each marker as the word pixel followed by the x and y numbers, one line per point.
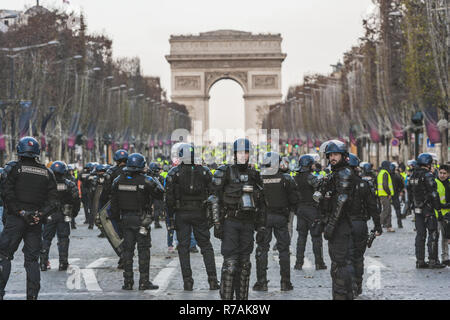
pixel 188 186
pixel 239 210
pixel 158 205
pixel 99 199
pixel 30 195
pixel 426 200
pixel 58 222
pixel 280 192
pixel 308 217
pixel 336 206
pixel 399 186
pixel 86 181
pixel 364 206
pixel 120 157
pixel 131 200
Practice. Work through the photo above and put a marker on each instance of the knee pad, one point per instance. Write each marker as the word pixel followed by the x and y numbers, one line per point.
pixel 246 266
pixel 229 266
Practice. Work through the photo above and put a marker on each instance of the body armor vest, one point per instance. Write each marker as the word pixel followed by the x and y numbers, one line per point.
pixel 306 191
pixel 275 191
pixel 130 192
pixel 31 185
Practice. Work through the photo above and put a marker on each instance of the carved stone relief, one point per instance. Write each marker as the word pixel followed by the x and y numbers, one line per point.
pixel 187 83
pixel 265 82
pixel 211 77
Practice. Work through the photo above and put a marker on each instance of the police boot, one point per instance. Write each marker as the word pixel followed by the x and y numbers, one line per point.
pixel 145 283
pixel 399 223
pixel 421 264
pixel 298 265
pixel 244 281
pixel 435 264
pixel 286 285
pixel 320 265
pixel 226 282
pixel 73 225
pixel 188 284
pixel 213 283
pixel 63 265
pixel 44 263
pixel 261 284
pixel 128 281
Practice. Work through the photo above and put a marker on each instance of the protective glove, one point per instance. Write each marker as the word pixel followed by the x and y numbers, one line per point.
pixel 28 216
pixel 260 234
pixel 378 229
pixel 218 231
pixel 329 230
pixel 146 220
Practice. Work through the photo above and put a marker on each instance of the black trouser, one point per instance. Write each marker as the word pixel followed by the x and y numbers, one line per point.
pixel 277 223
pixel 185 223
pixel 359 241
pixel 306 215
pixel 85 199
pixel 426 221
pixel 339 248
pixel 158 206
pixel 131 237
pixel 14 232
pixel 396 204
pixel 237 246
pixel 56 226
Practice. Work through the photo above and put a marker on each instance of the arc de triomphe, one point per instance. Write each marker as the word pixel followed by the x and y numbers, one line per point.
pixel 252 60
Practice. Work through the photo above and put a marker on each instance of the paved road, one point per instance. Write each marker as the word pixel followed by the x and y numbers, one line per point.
pixel 390 272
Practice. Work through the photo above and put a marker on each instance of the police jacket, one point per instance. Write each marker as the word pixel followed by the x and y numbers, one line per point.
pixel 307 184
pixel 67 194
pixel 364 202
pixel 228 186
pixel 187 187
pixel 337 192
pixel 29 185
pixel 132 194
pixel 86 182
pixel 424 190
pixel 280 192
pixel 110 175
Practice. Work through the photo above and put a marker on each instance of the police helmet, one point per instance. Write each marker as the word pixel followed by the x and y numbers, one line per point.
pixel 305 163
pixel 28 147
pixel 353 160
pixel 424 159
pixel 135 162
pixel 59 167
pixel 120 155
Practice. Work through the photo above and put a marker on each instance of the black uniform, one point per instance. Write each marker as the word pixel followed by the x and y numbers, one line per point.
pixel 280 193
pixel 308 218
pixel 131 201
pixel 188 187
pixel 29 186
pixel 426 199
pixel 158 205
pixel 68 205
pixel 363 206
pixel 336 205
pixel 86 195
pixel 237 225
pixel 399 186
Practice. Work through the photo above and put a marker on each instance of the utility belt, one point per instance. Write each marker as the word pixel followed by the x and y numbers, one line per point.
pixel 236 213
pixel 277 210
pixel 189 204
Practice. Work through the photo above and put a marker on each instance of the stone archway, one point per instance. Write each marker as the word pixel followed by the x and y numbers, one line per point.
pixel 252 60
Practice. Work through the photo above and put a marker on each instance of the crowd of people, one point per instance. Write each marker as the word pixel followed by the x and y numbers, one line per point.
pixel 332 202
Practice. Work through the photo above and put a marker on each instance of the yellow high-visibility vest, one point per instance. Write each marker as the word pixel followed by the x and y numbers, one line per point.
pixel 380 189
pixel 404 175
pixel 163 174
pixel 441 191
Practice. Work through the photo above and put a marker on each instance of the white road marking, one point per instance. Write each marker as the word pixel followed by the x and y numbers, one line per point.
pixel 163 278
pixel 90 280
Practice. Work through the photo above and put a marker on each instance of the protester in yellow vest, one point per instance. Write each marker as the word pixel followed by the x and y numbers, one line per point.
pixel 444 195
pixel 385 190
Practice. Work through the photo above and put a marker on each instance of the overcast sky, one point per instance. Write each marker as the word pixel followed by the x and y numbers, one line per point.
pixel 315 32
